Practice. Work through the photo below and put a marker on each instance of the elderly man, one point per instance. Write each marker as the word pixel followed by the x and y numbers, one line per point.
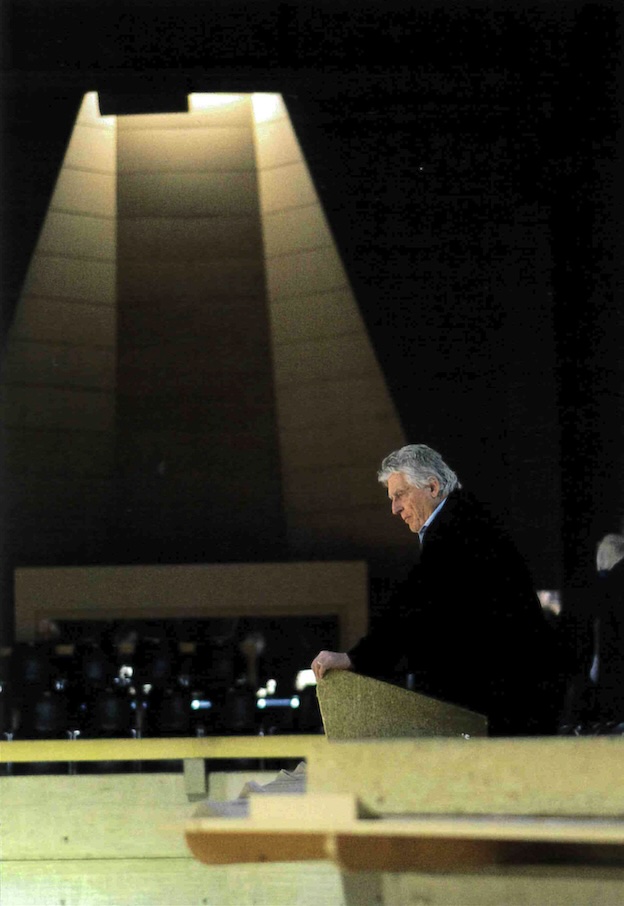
pixel 467 621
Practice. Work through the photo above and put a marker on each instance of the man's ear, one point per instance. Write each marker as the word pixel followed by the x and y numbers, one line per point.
pixel 434 484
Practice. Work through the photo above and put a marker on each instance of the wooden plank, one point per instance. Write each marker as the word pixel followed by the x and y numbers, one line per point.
pixel 241 847
pixel 281 828
pixel 456 844
pixel 321 820
pixel 539 776
pixel 288 828
pixel 495 828
pixel 354 852
pixel 391 854
pixel 219 747
pixel 290 811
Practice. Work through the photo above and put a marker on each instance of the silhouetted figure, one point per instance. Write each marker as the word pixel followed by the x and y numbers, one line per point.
pixel 608 667
pixel 467 620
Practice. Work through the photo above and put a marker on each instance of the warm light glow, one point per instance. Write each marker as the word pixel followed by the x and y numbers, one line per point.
pixel 198 102
pixel 266 107
pixel 91 105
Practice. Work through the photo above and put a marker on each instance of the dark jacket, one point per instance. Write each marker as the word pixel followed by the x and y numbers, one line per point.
pixel 610 650
pixel 470 625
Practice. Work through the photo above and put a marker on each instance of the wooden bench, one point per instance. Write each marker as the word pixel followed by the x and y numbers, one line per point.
pixel 446 817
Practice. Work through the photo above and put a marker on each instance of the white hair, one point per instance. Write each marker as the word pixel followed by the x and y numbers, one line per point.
pixel 610 551
pixel 419 463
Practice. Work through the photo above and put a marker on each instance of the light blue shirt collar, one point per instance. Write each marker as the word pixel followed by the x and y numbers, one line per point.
pixel 425 525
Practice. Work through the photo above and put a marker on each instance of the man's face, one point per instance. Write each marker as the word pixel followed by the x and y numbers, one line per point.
pixel 413 505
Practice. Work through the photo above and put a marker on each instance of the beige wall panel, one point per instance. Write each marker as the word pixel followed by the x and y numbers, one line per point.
pixel 188 319
pixel 79 235
pixel 187 194
pixel 193 281
pixel 326 359
pixel 85 192
pixel 295 230
pixel 276 144
pixel 307 272
pixel 186 882
pixel 29 362
pixel 88 280
pixel 95 816
pixel 195 590
pixel 56 321
pixel 169 882
pixel 287 186
pixel 189 238
pixel 78 453
pixel 213 148
pixel 347 402
pixel 54 407
pixel 150 370
pixel 342 442
pixel 91 148
pixel 306 317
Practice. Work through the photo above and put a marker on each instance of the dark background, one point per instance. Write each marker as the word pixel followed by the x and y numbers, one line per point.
pixel 487 134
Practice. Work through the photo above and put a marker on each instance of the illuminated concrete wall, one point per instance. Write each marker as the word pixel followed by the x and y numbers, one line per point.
pixel 197 428
pixel 188 378
pixel 58 374
pixel 335 415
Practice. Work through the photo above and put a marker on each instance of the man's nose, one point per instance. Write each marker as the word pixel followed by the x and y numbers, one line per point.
pixel 396 507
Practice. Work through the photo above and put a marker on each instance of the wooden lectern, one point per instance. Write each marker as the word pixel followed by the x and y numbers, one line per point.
pixel 358 707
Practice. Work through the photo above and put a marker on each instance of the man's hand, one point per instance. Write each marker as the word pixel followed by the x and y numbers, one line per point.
pixel 330 660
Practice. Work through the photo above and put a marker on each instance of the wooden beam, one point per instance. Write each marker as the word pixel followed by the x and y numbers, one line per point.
pixel 198 590
pixel 309 827
pixel 24 751
pixel 554 775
